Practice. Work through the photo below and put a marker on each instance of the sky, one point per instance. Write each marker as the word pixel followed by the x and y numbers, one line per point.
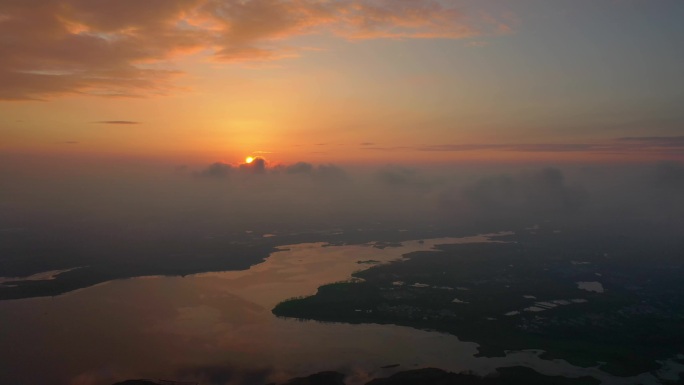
pixel 343 81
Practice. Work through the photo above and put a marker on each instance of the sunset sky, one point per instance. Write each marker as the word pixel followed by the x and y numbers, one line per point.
pixel 343 81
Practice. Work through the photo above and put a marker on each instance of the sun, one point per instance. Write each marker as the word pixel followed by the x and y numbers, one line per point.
pixel 249 159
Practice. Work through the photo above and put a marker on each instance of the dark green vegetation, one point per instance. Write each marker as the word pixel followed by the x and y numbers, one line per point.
pixel 137 382
pixel 322 378
pixel 170 258
pixel 101 257
pixel 515 375
pixel 468 289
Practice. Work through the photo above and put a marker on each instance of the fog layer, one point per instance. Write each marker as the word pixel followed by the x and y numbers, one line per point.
pixel 70 215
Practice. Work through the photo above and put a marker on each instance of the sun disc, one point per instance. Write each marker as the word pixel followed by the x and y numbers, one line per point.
pixel 249 159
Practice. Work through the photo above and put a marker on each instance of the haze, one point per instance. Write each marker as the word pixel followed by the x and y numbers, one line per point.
pixel 181 137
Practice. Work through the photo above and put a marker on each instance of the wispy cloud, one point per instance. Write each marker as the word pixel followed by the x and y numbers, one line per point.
pixel 388 148
pixel 126 47
pixel 477 44
pixel 625 144
pixel 124 122
pixel 655 141
pixel 534 147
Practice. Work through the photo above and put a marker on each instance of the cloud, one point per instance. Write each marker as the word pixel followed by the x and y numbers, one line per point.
pixel 126 48
pixel 515 198
pixel 168 212
pixel 420 196
pixel 656 141
pixel 525 147
pixel 330 173
pixel 217 170
pixel 393 148
pixel 257 166
pixel 299 168
pixel 398 177
pixel 96 47
pixel 123 122
pixel 322 173
pixel 250 30
pixel 535 147
pixel 477 44
pixel 672 144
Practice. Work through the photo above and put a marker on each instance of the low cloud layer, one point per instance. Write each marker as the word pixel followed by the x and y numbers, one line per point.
pixel 125 47
pixel 122 122
pixel 295 197
pixel 666 145
pixel 655 141
pixel 114 213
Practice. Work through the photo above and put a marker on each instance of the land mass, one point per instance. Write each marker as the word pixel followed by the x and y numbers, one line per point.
pixel 528 291
pixel 430 376
pixel 92 261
